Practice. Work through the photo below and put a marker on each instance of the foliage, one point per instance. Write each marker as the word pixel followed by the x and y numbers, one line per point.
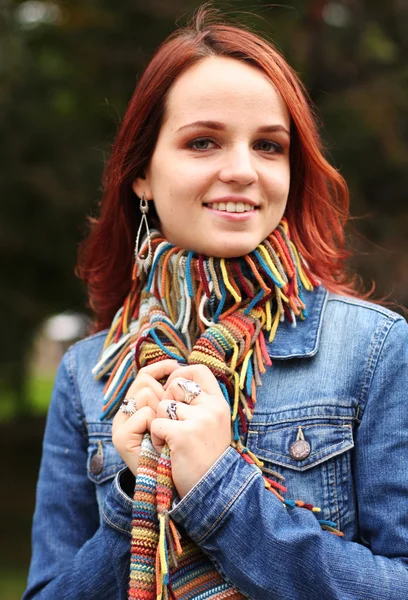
pixel 12 584
pixel 67 70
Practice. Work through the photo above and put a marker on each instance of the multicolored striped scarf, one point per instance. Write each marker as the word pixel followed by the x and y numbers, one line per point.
pixel 199 310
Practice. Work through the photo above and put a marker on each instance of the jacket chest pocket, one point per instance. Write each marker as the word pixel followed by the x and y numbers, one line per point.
pixel 104 461
pixel 314 456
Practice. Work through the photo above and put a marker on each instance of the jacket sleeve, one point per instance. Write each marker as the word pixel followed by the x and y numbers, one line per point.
pixel 269 552
pixel 75 554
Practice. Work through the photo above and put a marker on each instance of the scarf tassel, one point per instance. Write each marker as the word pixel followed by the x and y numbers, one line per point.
pixel 168 551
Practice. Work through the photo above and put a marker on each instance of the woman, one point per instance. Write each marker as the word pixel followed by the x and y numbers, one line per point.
pixel 220 459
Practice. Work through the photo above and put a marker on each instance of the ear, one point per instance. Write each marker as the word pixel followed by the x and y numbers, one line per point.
pixel 141 185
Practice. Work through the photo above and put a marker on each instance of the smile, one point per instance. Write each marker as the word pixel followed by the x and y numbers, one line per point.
pixel 231 207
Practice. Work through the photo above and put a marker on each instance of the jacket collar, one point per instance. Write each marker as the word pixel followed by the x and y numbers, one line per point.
pixel 303 339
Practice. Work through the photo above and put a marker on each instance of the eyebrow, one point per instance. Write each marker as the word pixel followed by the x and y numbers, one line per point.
pixel 218 126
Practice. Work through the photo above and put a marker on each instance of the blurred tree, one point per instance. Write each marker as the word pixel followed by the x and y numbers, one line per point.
pixel 67 70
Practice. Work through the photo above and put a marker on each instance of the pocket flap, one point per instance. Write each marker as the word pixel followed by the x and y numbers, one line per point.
pixel 104 461
pixel 272 442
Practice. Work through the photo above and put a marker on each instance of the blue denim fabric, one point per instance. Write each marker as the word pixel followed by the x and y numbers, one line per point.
pixel 341 376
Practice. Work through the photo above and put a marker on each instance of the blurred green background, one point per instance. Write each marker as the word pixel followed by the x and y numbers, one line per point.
pixel 67 70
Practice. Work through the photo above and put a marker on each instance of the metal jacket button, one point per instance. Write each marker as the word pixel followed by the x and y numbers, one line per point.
pixel 300 449
pixel 96 464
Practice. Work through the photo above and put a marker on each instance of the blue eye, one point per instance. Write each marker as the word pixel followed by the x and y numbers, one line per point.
pixel 268 146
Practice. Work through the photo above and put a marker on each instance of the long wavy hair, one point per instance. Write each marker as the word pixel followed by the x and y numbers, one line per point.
pixel 318 202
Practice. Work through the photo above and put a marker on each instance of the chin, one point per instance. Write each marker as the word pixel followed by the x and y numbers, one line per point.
pixel 232 250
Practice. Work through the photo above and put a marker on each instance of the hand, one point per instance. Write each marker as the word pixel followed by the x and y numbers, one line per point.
pixel 128 430
pixel 202 431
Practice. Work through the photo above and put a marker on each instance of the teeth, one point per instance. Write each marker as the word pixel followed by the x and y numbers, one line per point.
pixel 232 206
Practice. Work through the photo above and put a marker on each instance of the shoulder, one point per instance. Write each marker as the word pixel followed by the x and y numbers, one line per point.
pixel 332 320
pixel 347 317
pixel 362 333
pixel 87 351
pixel 346 305
pixel 90 346
pixel 77 364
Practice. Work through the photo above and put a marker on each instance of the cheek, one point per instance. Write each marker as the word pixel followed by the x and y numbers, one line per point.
pixel 278 185
pixel 172 197
pixel 170 178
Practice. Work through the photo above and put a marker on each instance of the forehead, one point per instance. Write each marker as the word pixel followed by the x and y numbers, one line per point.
pixel 221 87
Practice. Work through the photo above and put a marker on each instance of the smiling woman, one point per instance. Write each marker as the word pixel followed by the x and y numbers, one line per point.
pixel 179 462
pixel 224 143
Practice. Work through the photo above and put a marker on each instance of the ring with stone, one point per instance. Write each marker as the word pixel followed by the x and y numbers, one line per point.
pixel 128 406
pixel 172 410
pixel 191 390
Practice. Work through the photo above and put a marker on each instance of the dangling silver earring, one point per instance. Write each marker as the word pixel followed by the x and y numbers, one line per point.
pixel 143 262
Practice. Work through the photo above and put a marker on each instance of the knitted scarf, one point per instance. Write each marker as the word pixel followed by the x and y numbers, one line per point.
pixel 210 311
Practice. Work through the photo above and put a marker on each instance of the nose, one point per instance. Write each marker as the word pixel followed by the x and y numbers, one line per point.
pixel 237 166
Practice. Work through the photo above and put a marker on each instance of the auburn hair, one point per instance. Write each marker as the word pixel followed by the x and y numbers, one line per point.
pixel 318 202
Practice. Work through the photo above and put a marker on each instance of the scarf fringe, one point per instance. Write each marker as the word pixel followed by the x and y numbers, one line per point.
pixel 208 311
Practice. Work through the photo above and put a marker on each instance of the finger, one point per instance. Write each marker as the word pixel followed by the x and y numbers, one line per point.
pixel 145 397
pixel 129 435
pixel 119 419
pixel 165 408
pixel 162 432
pixel 198 373
pixel 144 380
pixel 176 391
pixel 159 369
pixel 140 421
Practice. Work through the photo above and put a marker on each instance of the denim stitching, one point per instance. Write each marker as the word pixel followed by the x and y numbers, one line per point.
pixel 309 417
pixel 345 429
pixel 199 483
pixel 114 525
pixel 292 466
pixel 296 420
pixel 366 305
pixel 380 337
pixel 334 466
pixel 73 381
pixel 315 322
pixel 319 452
pixel 108 473
pixel 251 476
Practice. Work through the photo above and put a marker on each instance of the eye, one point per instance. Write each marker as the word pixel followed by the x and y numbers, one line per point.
pixel 268 146
pixel 200 144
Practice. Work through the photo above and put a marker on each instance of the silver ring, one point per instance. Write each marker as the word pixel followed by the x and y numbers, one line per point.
pixel 128 406
pixel 191 390
pixel 172 410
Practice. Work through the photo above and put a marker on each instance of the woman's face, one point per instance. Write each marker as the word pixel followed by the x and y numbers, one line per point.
pixel 219 174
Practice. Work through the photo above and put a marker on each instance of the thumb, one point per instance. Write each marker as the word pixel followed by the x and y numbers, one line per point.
pixel 162 431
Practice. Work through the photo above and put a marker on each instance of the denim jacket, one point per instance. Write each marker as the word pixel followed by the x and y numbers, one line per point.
pixel 339 380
